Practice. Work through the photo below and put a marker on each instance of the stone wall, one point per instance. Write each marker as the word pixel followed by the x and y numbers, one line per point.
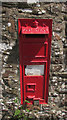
pixel 10 56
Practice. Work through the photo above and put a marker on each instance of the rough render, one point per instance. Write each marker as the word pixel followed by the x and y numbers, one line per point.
pixel 9 51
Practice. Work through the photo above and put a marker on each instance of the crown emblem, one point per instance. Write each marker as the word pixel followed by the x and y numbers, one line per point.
pixel 35 24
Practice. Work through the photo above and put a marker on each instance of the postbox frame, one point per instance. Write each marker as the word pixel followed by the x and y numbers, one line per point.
pixel 22 69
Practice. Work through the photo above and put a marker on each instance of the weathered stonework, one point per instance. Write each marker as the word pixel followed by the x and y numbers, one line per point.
pixel 10 56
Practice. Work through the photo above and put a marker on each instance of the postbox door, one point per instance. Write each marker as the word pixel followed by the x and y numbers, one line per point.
pixel 34 82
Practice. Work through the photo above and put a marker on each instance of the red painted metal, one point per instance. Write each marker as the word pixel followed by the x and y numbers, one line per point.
pixel 34 48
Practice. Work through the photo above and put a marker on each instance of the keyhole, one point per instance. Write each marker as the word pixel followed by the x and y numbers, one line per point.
pixel 29 86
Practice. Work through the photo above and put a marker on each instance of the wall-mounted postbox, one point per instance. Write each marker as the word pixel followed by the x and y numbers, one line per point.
pixel 34 46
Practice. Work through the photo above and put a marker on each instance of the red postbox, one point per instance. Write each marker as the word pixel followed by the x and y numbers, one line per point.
pixel 34 51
